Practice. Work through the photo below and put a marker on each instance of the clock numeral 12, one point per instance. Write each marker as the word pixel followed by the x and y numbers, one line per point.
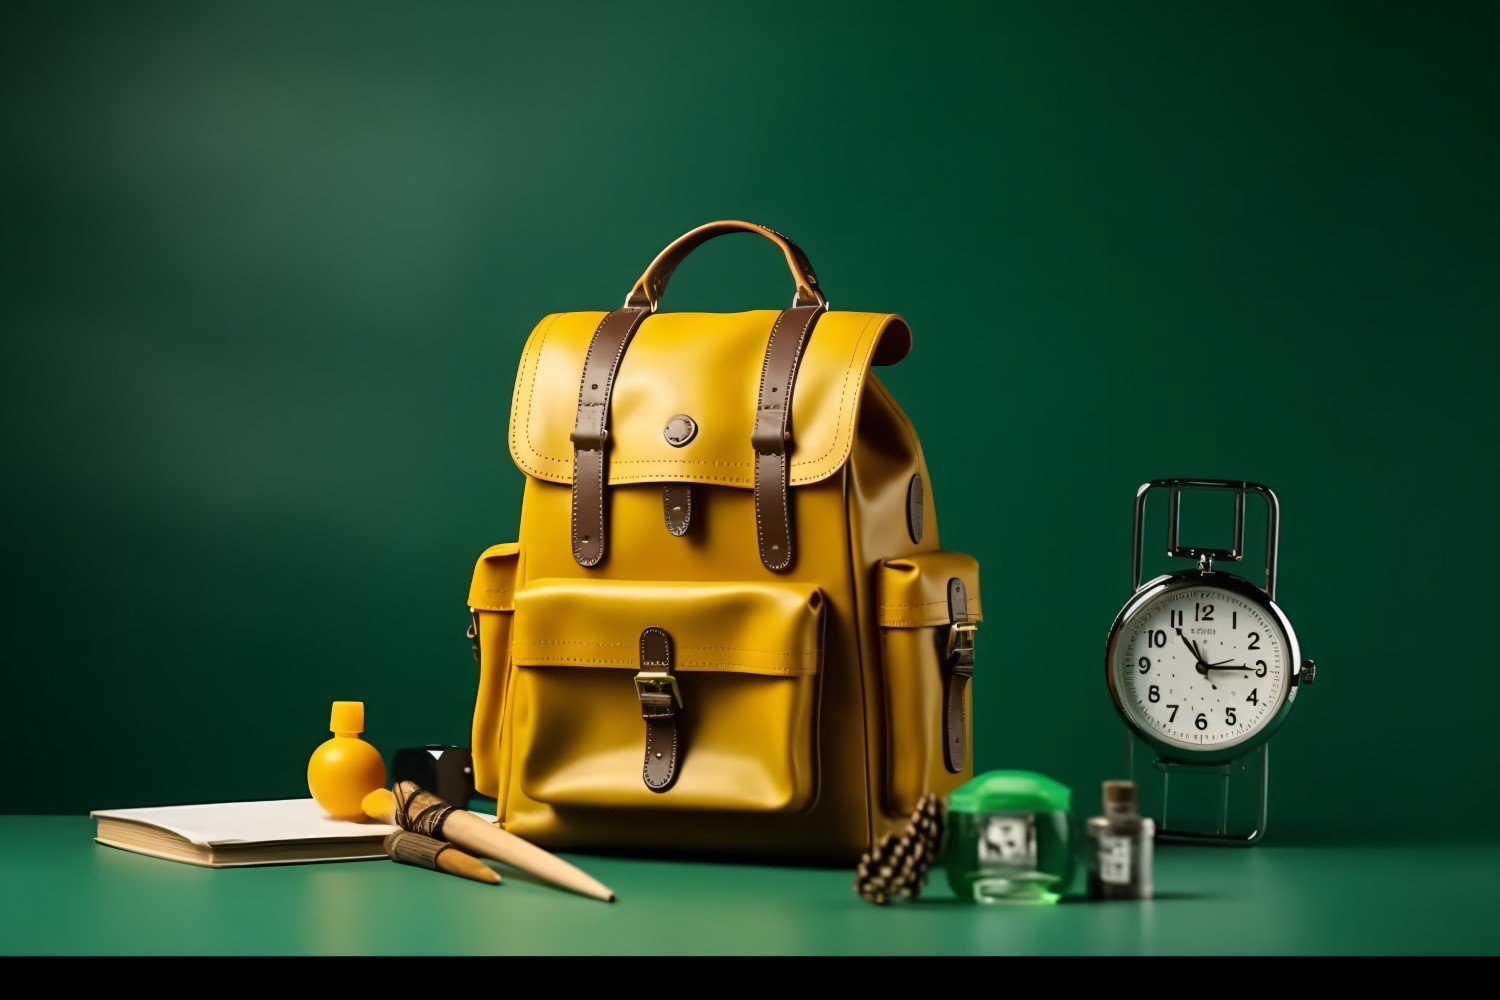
pixel 1203 612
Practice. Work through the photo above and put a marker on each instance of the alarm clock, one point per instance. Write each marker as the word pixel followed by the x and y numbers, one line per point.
pixel 1202 664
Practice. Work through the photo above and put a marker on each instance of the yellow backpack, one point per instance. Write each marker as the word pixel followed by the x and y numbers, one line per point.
pixel 727 626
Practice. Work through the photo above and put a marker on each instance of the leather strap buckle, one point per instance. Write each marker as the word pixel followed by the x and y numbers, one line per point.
pixel 589 433
pixel 769 440
pixel 958 659
pixel 656 682
pixel 960 652
pixel 661 701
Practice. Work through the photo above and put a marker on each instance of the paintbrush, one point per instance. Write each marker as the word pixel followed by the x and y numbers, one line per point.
pixel 411 808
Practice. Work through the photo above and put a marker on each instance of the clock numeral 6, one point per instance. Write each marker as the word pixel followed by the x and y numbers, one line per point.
pixel 1154 694
pixel 1229 716
pixel 1260 668
pixel 1145 664
pixel 1201 721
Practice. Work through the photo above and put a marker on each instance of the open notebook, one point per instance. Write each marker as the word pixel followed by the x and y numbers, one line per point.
pixel 231 834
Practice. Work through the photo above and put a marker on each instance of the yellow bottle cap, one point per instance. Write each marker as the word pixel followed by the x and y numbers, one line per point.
pixel 347 717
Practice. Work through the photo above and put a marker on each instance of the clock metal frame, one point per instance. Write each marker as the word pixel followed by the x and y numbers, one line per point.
pixel 1171 758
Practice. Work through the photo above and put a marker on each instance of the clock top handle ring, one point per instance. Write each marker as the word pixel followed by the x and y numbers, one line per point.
pixel 1206 556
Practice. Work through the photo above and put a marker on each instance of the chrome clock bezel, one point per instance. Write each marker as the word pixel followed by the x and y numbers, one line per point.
pixel 1188 579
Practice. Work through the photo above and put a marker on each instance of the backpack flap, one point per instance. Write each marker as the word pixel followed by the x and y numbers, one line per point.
pixel 684 403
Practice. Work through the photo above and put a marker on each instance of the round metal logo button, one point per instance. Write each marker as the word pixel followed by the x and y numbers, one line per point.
pixel 680 430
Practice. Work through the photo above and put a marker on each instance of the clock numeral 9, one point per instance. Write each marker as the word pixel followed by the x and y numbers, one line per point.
pixel 1229 716
pixel 1201 721
pixel 1145 664
pixel 1156 639
pixel 1153 695
pixel 1254 640
pixel 1203 612
pixel 1260 668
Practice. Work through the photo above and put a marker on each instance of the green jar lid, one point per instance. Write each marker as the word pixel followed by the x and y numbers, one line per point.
pixel 1011 791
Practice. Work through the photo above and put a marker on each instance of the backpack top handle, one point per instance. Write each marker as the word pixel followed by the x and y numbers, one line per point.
pixel 652 285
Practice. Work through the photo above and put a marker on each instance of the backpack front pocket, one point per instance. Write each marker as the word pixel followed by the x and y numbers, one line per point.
pixel 929 610
pixel 681 696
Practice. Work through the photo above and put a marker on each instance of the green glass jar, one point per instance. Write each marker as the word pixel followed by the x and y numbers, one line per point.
pixel 1008 838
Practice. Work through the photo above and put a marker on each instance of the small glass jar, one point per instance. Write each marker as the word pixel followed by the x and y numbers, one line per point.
pixel 1120 846
pixel 1008 838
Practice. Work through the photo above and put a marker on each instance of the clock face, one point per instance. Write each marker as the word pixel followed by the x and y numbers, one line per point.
pixel 1200 668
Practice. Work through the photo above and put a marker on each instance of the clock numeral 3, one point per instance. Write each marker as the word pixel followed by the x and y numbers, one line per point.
pixel 1260 668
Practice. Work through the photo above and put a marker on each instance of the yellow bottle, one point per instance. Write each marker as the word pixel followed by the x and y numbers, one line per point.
pixel 345 769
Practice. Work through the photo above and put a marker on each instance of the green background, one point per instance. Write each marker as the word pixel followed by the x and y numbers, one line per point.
pixel 267 271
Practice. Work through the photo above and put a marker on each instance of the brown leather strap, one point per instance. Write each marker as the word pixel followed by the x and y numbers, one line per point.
pixel 648 290
pixel 591 430
pixel 661 701
pixel 772 436
pixel 958 668
pixel 677 505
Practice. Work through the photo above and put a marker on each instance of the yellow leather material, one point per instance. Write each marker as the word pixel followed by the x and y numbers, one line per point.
pixel 753 628
pixel 493 587
pixel 705 366
pixel 914 621
pixel 491 596
pixel 810 722
pixel 914 589
pixel 747 663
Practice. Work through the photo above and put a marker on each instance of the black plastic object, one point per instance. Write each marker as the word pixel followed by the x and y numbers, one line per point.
pixel 447 772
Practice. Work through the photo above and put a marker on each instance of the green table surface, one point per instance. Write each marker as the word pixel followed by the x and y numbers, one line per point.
pixel 64 894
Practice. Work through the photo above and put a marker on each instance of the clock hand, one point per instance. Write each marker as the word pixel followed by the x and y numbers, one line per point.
pixel 1199 665
pixel 1192 648
pixel 1217 666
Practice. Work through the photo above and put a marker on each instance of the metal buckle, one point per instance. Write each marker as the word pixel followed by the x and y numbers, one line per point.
pixel 960 653
pixel 656 681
